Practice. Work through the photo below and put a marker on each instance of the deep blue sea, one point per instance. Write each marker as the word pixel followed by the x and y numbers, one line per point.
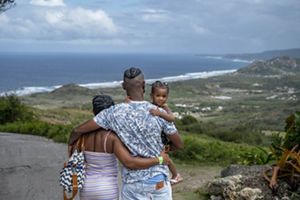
pixel 32 72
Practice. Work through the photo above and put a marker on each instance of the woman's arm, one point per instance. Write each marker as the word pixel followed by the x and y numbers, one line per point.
pixel 135 162
pixel 84 128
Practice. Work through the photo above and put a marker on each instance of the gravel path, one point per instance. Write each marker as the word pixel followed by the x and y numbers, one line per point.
pixel 29 167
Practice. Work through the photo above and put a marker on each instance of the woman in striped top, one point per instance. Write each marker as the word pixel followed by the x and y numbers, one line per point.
pixel 102 148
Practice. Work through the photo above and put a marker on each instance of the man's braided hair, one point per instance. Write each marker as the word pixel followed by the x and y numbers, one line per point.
pixel 132 73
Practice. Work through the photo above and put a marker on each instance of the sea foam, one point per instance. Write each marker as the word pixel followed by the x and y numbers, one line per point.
pixel 232 59
pixel 188 76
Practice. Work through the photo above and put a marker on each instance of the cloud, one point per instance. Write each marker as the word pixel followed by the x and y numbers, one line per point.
pixel 171 25
pixel 81 22
pixel 4 19
pixel 199 29
pixel 50 3
pixel 16 28
pixel 151 15
pixel 59 24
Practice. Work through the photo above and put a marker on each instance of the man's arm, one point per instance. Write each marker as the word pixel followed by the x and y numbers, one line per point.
pixel 170 130
pixel 176 141
pixel 84 128
pixel 131 162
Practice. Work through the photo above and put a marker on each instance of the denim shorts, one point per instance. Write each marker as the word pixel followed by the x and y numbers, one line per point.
pixel 145 191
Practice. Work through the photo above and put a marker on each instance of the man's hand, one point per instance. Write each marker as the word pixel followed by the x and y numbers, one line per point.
pixel 166 157
pixel 84 128
pixel 74 136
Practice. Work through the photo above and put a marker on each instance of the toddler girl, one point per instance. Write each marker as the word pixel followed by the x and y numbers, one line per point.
pixel 159 95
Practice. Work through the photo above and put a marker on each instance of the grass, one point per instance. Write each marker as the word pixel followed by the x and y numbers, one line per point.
pixel 68 116
pixel 246 108
pixel 195 181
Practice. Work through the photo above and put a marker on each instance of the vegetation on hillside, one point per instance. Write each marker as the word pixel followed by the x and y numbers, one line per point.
pixel 238 114
pixel 16 117
pixel 293 53
pixel 12 110
pixel 202 143
pixel 275 66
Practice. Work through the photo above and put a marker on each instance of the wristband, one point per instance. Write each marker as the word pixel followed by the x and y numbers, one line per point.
pixel 160 160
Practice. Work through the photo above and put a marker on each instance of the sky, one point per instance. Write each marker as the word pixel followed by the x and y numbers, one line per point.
pixel 148 26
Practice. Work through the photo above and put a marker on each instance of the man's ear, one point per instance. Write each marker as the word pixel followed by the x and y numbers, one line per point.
pixel 124 85
pixel 144 83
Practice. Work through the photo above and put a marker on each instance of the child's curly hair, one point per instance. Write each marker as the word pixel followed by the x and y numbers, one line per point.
pixel 159 84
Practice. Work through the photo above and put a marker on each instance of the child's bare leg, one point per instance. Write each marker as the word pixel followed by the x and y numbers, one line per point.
pixel 172 169
pixel 176 177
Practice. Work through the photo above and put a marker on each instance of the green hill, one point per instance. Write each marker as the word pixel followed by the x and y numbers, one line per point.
pixel 276 66
pixel 265 55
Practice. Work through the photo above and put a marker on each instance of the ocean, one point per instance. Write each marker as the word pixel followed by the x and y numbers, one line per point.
pixel 29 73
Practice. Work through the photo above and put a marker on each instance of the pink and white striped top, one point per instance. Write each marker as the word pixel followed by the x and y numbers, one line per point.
pixel 101 181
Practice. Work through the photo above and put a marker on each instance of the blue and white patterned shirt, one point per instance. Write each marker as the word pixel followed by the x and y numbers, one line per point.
pixel 140 132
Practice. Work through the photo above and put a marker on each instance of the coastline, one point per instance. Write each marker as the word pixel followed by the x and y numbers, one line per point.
pixel 113 84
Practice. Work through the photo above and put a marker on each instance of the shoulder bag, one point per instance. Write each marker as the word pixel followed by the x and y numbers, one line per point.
pixel 73 173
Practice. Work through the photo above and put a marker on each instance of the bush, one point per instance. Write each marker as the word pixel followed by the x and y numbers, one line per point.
pixel 280 145
pixel 188 119
pixel 240 133
pixel 11 109
pixel 57 132
pixel 258 156
pixel 292 129
pixel 190 124
pixel 211 151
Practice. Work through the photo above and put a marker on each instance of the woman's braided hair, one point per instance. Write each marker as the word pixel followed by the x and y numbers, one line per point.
pixel 101 102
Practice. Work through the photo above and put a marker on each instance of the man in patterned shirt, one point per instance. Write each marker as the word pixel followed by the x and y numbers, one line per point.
pixel 141 133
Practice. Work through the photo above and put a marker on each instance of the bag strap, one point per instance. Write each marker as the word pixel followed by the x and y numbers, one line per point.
pixel 80 144
pixel 94 142
pixel 82 147
pixel 75 188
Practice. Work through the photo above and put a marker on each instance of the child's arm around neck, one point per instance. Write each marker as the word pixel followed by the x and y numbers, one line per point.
pixel 168 115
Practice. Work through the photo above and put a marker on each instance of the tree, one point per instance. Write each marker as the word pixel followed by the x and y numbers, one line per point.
pixel 12 109
pixel 6 4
